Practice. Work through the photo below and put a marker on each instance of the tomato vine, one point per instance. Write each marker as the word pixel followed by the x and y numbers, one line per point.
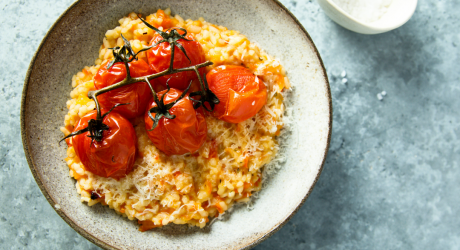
pixel 125 55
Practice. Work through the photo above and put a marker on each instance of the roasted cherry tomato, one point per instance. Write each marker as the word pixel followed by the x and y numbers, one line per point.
pixel 241 93
pixel 113 156
pixel 159 58
pixel 136 94
pixel 183 134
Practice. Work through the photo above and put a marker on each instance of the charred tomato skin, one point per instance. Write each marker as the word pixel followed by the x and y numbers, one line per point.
pixel 136 94
pixel 183 134
pixel 114 156
pixel 241 93
pixel 159 58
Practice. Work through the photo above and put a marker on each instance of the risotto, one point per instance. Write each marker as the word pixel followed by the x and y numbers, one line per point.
pixel 190 188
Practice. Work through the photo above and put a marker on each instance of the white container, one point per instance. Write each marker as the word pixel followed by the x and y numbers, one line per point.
pixel 399 12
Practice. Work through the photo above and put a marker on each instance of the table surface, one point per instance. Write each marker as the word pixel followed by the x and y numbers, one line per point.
pixel 390 180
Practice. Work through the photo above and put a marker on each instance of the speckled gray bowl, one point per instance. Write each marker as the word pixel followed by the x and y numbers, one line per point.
pixel 73 42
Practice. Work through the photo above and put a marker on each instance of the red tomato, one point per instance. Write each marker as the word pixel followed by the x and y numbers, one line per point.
pixel 183 134
pixel 113 156
pixel 241 93
pixel 159 58
pixel 136 94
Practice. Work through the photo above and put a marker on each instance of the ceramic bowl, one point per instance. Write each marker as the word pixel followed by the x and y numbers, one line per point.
pixel 73 42
pixel 399 12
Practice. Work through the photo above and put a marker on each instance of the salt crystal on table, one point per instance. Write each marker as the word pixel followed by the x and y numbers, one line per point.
pixel 344 73
pixel 379 96
pixel 344 80
pixel 384 93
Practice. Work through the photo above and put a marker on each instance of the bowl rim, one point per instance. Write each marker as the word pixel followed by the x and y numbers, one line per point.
pixel 369 25
pixel 105 245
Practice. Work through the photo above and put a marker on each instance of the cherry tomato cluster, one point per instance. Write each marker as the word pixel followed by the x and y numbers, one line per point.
pixel 174 121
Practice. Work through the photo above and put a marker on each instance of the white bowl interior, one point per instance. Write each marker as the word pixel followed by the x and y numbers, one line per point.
pixel 399 12
pixel 74 43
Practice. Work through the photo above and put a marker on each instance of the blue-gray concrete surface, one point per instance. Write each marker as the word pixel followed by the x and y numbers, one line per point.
pixel 391 179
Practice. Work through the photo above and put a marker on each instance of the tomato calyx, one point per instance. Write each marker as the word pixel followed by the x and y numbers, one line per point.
pixel 171 36
pixel 95 127
pixel 162 109
pixel 206 96
pixel 125 54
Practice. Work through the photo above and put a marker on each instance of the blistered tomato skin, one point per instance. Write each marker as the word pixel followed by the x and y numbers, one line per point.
pixel 159 59
pixel 114 156
pixel 183 134
pixel 241 93
pixel 136 94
